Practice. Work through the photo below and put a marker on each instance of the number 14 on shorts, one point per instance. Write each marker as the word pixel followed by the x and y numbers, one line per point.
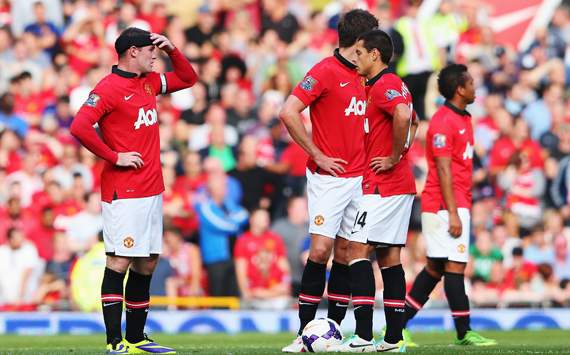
pixel 359 221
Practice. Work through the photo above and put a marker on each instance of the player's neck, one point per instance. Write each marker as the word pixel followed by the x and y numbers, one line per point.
pixel 346 52
pixel 128 67
pixel 459 103
pixel 377 69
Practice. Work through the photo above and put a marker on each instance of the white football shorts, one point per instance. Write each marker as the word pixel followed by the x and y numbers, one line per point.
pixel 332 204
pixel 382 221
pixel 133 227
pixel 439 243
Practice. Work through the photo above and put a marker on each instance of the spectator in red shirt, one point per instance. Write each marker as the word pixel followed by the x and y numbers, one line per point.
pixel 516 285
pixel 261 265
pixel 516 138
pixel 193 177
pixel 177 206
pixel 524 186
pixel 42 234
pixel 13 216
pixel 83 41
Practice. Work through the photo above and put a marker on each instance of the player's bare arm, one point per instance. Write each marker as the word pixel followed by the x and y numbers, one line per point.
pixel 291 116
pixel 401 128
pixel 443 165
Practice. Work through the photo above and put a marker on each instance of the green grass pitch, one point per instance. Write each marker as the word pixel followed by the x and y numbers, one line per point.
pixel 510 342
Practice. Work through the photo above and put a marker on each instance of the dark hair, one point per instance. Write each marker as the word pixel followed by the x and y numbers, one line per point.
pixel 132 36
pixel 450 78
pixel 380 40
pixel 353 24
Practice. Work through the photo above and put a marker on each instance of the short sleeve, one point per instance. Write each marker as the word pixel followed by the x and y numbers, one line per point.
pixel 389 94
pixel 441 139
pixel 311 88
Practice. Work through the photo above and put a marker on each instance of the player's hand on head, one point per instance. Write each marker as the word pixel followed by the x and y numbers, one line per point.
pixel 332 166
pixel 380 164
pixel 130 160
pixel 455 227
pixel 161 42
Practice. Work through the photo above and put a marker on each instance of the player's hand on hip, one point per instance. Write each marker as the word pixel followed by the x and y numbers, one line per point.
pixel 130 160
pixel 330 165
pixel 380 164
pixel 161 42
pixel 455 227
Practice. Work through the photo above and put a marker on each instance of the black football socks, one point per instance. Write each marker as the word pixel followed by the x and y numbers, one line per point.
pixel 394 295
pixel 312 288
pixel 112 300
pixel 419 294
pixel 454 286
pixel 363 290
pixel 338 291
pixel 137 302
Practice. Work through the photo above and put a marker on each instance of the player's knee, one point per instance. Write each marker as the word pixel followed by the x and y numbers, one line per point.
pixel 146 265
pixel 341 251
pixel 320 253
pixel 118 263
pixel 435 270
pixel 357 251
pixel 455 267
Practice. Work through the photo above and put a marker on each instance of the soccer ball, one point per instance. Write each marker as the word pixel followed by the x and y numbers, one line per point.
pixel 320 334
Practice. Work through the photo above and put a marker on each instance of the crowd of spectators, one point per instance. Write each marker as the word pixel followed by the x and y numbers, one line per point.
pixel 234 207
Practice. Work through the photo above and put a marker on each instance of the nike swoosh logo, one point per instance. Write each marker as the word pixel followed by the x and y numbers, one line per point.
pixel 127 98
pixel 383 350
pixel 110 304
pixel 356 346
pixel 344 84
pixel 462 131
pixel 306 304
pixel 341 305
pixel 352 232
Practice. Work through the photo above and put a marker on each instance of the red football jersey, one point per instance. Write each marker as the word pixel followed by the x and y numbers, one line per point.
pixel 124 106
pixel 450 134
pixel 336 97
pixel 262 255
pixel 385 92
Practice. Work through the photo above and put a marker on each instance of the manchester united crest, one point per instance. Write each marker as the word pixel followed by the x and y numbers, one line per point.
pixel 148 89
pixel 128 242
pixel 461 248
pixel 319 220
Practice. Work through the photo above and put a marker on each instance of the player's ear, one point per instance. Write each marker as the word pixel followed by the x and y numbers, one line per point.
pixel 132 52
pixel 460 90
pixel 376 54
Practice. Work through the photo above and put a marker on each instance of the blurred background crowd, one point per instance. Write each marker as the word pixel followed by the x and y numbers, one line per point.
pixel 235 208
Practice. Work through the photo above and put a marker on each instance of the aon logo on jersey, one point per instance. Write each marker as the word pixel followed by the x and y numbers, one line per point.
pixel 468 153
pixel 148 118
pixel 356 107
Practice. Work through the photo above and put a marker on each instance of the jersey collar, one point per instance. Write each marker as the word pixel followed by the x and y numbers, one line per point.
pixel 453 108
pixel 343 60
pixel 123 73
pixel 377 77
